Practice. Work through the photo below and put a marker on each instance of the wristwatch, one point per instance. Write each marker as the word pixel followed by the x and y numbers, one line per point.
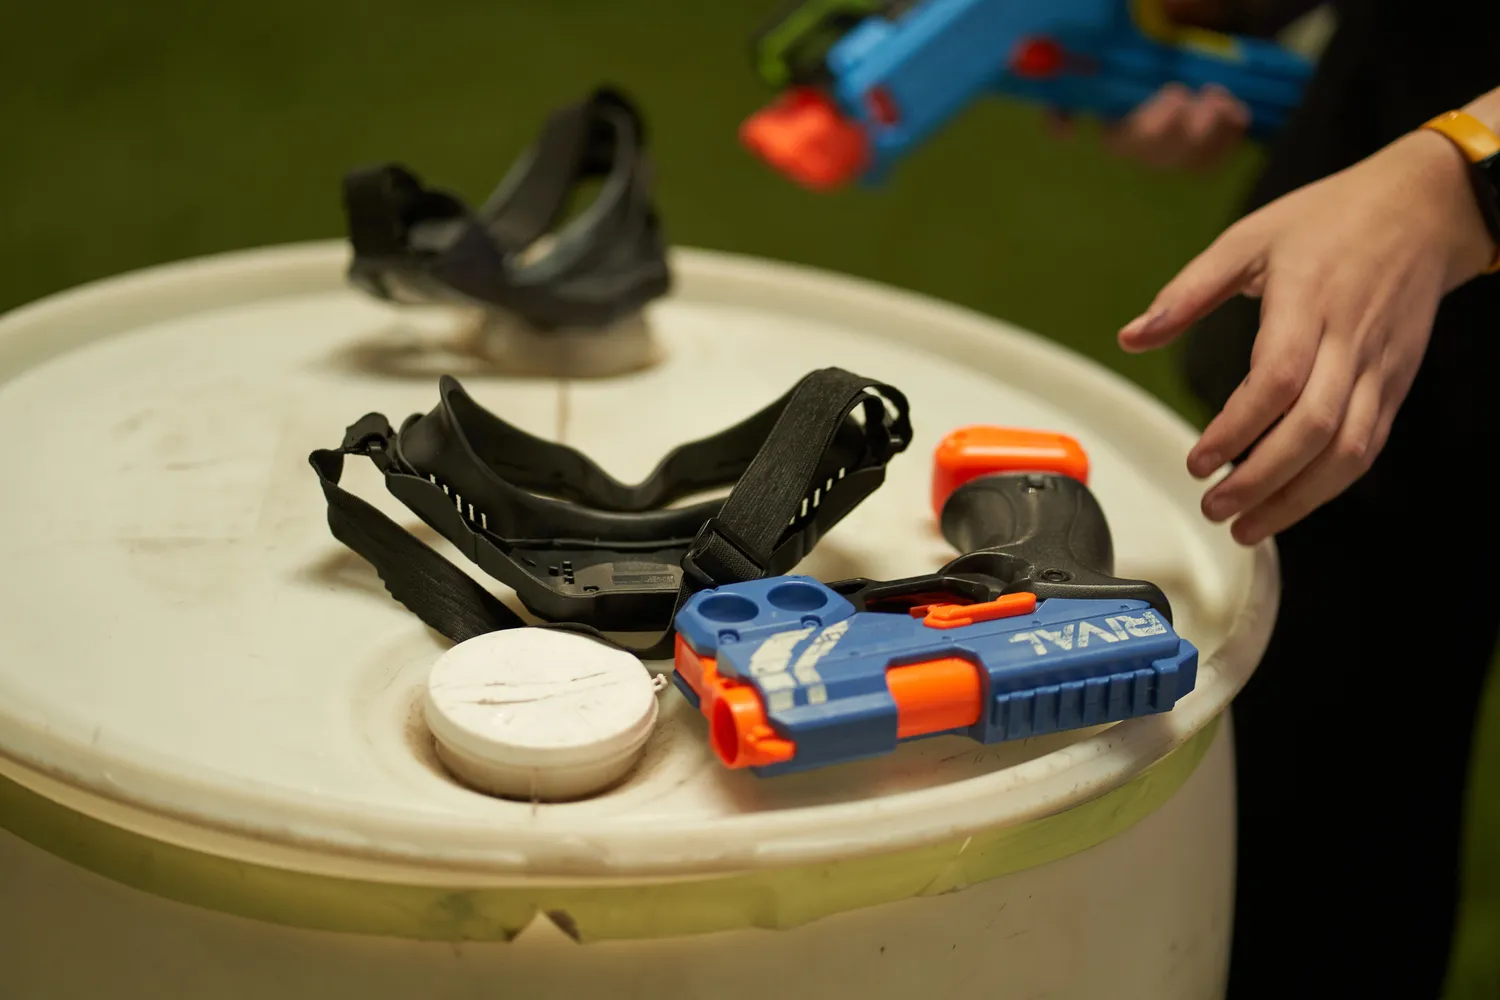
pixel 1481 148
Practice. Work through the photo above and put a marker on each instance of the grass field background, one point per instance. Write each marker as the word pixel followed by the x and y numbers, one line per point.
pixel 133 134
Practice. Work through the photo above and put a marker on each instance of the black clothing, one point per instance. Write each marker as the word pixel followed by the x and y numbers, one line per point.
pixel 1352 772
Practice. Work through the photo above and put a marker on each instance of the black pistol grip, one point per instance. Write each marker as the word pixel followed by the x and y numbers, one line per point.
pixel 1039 533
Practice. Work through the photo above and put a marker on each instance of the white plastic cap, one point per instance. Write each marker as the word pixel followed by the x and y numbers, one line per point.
pixel 539 714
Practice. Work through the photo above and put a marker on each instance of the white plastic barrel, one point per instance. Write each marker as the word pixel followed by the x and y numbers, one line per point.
pixel 214 777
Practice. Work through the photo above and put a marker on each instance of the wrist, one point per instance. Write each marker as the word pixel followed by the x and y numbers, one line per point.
pixel 1441 173
pixel 1486 108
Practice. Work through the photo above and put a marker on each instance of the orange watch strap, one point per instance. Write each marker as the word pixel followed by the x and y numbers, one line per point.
pixel 1468 133
pixel 1476 142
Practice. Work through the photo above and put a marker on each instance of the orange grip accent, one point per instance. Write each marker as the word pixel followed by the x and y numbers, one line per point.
pixel 935 696
pixel 982 450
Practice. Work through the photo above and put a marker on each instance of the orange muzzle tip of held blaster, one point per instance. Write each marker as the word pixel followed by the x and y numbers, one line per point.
pixel 805 136
pixel 982 450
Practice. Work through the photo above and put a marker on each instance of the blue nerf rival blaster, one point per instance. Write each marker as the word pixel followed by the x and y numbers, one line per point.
pixel 866 81
pixel 1028 633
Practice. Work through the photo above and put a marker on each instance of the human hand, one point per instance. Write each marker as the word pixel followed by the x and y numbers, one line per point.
pixel 1175 129
pixel 1350 271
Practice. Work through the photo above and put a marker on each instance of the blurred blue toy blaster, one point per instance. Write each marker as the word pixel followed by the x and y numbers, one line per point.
pixel 864 82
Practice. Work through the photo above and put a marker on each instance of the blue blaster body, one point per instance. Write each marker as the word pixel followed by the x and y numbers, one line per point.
pixel 888 76
pixel 1028 632
pixel 818 674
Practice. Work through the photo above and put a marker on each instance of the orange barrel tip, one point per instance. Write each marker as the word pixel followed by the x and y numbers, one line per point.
pixel 983 450
pixel 741 734
pixel 805 136
pixel 738 730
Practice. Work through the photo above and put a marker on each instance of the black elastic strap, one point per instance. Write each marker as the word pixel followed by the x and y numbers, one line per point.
pixel 415 244
pixel 740 544
pixel 382 204
pixel 531 198
pixel 471 448
pixel 435 590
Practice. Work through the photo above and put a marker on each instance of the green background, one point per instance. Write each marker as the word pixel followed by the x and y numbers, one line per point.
pixel 132 134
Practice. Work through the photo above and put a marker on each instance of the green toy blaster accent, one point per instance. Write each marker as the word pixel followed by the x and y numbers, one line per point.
pixel 791 48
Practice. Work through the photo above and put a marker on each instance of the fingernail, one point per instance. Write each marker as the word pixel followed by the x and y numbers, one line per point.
pixel 1217 508
pixel 1246 533
pixel 1205 464
pixel 1144 323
